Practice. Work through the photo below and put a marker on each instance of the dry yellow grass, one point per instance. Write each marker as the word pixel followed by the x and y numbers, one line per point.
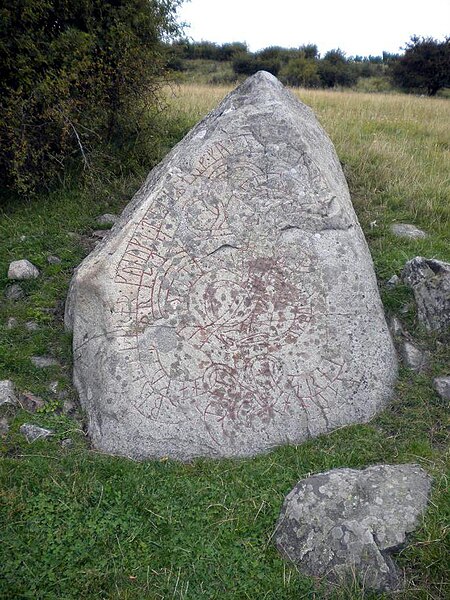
pixel 395 148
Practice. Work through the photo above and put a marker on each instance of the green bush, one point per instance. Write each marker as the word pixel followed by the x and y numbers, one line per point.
pixel 75 74
pixel 301 71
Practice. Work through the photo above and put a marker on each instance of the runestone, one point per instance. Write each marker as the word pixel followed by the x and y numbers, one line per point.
pixel 234 306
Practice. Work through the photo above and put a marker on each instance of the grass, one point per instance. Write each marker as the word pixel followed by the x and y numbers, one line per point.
pixel 78 524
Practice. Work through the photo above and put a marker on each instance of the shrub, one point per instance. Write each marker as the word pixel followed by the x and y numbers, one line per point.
pixel 75 74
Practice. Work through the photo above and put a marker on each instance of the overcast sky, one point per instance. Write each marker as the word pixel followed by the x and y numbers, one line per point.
pixel 355 26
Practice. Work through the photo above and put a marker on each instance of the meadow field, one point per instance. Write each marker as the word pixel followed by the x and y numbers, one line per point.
pixel 77 524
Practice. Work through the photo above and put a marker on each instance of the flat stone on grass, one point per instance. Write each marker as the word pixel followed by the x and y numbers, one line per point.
pixel 442 386
pixel 34 432
pixel 346 522
pixel 413 357
pixel 22 269
pixel 429 280
pixel 44 362
pixel 406 230
pixel 8 393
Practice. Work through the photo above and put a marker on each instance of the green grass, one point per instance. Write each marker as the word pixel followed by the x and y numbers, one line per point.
pixel 79 524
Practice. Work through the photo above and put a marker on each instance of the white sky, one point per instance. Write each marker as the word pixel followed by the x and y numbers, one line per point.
pixel 355 26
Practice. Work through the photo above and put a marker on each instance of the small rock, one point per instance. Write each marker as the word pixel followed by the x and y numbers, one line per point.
pixel 406 230
pixel 14 292
pixel 345 522
pixel 67 443
pixel 393 281
pixel 31 402
pixel 442 386
pixel 4 426
pixel 8 393
pixel 53 260
pixel 429 280
pixel 22 269
pixel 68 407
pixel 31 326
pixel 107 219
pixel 414 358
pixel 34 432
pixel 11 323
pixel 396 326
pixel 42 362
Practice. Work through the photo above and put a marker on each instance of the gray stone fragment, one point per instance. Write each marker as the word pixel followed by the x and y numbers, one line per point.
pixel 106 219
pixel 407 230
pixel 234 305
pixel 393 281
pixel 69 407
pixel 53 260
pixel 430 283
pixel 34 432
pixel 413 357
pixel 67 443
pixel 14 292
pixel 345 522
pixel 31 326
pixel 22 269
pixel 442 386
pixel 43 362
pixel 11 323
pixel 8 393
pixel 396 326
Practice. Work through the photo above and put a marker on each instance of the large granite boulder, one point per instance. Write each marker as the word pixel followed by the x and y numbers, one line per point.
pixel 345 523
pixel 234 305
pixel 429 280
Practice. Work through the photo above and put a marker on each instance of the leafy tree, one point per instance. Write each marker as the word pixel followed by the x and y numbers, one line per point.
pixel 301 71
pixel 424 66
pixel 335 69
pixel 75 74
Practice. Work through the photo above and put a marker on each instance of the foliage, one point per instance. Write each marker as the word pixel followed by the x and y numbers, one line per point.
pixel 208 50
pixel 335 69
pixel 424 66
pixel 301 71
pixel 75 74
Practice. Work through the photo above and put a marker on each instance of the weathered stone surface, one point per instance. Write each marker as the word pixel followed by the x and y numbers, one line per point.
pixel 34 432
pixel 31 326
pixel 8 393
pixel 22 269
pixel 407 230
pixel 442 386
pixel 234 306
pixel 430 283
pixel 107 219
pixel 43 362
pixel 345 522
pixel 413 357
